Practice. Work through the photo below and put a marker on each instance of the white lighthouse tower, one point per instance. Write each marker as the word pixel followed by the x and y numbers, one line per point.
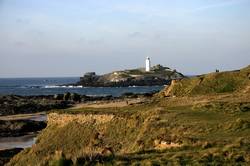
pixel 148 64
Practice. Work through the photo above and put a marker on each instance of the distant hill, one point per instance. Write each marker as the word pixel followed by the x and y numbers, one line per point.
pixel 218 82
pixel 158 75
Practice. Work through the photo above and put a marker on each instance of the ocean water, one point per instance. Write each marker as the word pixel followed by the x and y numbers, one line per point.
pixel 51 86
pixel 17 142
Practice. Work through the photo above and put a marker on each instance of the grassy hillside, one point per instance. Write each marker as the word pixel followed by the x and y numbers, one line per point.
pixel 211 129
pixel 211 83
pixel 157 133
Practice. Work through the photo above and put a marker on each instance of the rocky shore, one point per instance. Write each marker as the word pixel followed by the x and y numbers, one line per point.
pixel 12 126
pixel 7 154
pixel 15 128
pixel 13 104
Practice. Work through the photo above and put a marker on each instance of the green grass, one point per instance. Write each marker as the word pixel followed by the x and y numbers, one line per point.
pixel 212 83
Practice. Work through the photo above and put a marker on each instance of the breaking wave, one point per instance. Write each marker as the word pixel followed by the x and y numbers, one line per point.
pixel 62 86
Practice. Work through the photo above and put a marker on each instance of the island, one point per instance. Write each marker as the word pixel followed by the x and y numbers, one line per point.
pixel 156 75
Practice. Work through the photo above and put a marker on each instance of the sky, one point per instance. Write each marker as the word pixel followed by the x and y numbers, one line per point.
pixel 48 38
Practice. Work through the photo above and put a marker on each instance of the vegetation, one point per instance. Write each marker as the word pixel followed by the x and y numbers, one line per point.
pixel 197 129
pixel 212 83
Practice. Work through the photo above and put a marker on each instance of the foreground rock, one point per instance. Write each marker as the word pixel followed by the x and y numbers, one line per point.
pixel 6 155
pixel 14 128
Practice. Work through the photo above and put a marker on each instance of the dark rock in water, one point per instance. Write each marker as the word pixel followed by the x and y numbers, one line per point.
pixel 75 97
pixel 136 95
pixel 7 154
pixel 13 104
pixel 85 98
pixel 66 96
pixel 14 128
pixel 148 94
pixel 129 95
pixel 58 96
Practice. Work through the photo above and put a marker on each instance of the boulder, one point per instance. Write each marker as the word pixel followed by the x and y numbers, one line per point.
pixel 58 97
pixel 75 97
pixel 66 96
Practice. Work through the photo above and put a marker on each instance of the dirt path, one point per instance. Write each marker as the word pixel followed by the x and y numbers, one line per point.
pixel 108 104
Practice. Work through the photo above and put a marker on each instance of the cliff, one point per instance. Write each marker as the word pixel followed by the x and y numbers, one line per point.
pixel 158 75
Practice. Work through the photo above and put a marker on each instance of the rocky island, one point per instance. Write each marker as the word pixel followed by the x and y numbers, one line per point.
pixel 157 75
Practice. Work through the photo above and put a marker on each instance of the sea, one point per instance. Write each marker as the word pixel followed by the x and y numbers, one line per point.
pixel 51 86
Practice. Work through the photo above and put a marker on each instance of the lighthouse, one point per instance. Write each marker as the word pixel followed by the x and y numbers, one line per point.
pixel 148 65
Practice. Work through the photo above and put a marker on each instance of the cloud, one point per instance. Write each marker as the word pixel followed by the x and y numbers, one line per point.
pixel 96 41
pixel 1 3
pixel 171 9
pixel 145 10
pixel 81 40
pixel 22 21
pixel 136 35
pixel 217 5
pixel 20 43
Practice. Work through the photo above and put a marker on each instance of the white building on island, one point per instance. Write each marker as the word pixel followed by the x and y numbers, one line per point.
pixel 148 64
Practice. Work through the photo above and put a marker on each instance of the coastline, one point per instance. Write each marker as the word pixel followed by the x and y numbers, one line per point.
pixel 39 115
pixel 30 107
pixel 182 118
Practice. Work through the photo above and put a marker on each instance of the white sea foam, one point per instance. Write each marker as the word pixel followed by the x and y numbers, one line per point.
pixel 51 86
pixel 63 86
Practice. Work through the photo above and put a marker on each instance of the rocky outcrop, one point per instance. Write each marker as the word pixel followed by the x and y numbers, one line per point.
pixel 7 154
pixel 14 128
pixel 159 75
pixel 13 104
